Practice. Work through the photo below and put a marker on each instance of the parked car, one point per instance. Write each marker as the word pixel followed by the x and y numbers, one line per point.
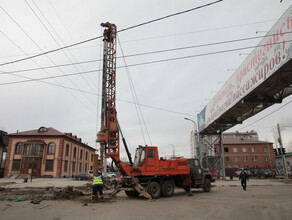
pixel 265 173
pixel 82 176
pixel 237 172
pixel 110 174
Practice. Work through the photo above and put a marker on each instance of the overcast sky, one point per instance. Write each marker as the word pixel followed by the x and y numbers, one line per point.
pixel 168 91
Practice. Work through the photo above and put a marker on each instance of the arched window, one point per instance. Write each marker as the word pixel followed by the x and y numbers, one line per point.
pixel 51 148
pixel 19 148
pixel 81 152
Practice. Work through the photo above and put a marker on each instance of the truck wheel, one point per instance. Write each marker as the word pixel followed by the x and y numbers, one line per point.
pixel 167 189
pixel 207 185
pixel 154 190
pixel 132 194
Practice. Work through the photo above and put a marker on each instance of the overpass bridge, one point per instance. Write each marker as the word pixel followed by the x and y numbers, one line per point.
pixel 263 79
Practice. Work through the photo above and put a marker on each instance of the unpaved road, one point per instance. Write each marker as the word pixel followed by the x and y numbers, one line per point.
pixel 223 202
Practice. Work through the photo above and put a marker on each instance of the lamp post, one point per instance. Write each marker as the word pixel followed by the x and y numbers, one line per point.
pixel 173 150
pixel 196 139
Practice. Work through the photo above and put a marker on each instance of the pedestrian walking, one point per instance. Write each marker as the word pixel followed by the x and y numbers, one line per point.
pixel 243 177
pixel 97 186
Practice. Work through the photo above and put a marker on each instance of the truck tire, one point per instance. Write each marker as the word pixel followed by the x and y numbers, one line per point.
pixel 132 194
pixel 154 190
pixel 167 189
pixel 207 185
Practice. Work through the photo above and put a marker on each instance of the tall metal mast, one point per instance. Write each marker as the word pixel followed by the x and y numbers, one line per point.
pixel 108 137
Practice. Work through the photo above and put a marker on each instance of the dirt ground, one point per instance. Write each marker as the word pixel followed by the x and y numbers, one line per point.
pixel 223 202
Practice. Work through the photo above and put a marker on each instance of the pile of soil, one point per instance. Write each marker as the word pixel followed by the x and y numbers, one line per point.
pixel 43 193
pixel 67 193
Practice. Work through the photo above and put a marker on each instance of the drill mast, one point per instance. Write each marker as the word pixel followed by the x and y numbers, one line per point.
pixel 108 137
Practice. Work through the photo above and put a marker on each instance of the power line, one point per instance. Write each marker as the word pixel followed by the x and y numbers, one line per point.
pixel 95 38
pixel 135 99
pixel 55 42
pixel 265 116
pixel 151 52
pixel 161 36
pixel 55 39
pixel 147 63
pixel 39 48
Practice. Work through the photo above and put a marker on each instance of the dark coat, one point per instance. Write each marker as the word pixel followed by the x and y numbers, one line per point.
pixel 243 175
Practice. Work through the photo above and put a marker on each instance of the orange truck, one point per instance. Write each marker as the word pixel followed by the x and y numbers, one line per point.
pixel 148 175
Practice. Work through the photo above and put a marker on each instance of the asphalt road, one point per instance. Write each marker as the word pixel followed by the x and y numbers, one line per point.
pixel 229 201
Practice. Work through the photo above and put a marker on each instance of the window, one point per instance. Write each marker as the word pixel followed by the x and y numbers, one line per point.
pixel 254 158
pixel 86 155
pixel 235 150
pixel 33 149
pixel 150 153
pixel 236 159
pixel 74 152
pixel 226 149
pixel 91 158
pixel 80 167
pixel 51 148
pixel 244 149
pixel 266 159
pixel 66 166
pixel 49 165
pixel 85 168
pixel 81 152
pixel 16 165
pixel 253 149
pixel 266 149
pixel 245 158
pixel 19 148
pixel 227 159
pixel 67 150
pixel 73 166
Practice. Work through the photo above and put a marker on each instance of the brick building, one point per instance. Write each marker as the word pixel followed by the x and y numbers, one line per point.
pixel 245 150
pixel 47 152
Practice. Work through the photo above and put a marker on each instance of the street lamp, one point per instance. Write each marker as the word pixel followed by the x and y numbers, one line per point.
pixel 173 150
pixel 196 139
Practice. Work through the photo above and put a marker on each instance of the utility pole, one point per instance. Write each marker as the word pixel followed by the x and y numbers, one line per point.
pixel 196 139
pixel 222 155
pixel 283 156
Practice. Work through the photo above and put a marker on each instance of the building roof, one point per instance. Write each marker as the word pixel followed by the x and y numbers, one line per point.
pixel 47 132
pixel 42 131
pixel 241 141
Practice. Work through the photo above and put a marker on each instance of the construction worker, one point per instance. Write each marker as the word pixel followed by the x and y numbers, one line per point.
pixel 243 177
pixel 97 185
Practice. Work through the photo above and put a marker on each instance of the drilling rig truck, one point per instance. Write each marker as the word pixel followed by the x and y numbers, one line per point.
pixel 148 175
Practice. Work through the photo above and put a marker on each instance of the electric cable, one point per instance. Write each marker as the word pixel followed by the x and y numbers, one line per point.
pixel 135 98
pixel 282 106
pixel 159 37
pixel 57 41
pixel 74 96
pixel 152 52
pixel 147 63
pixel 98 37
